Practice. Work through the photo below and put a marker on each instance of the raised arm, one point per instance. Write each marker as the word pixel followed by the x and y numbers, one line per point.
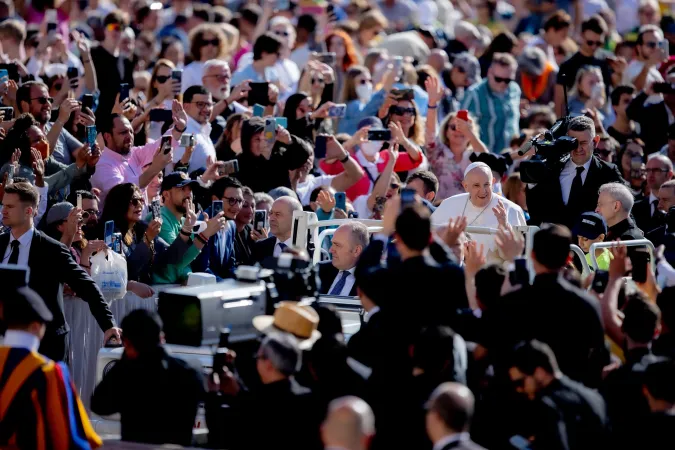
pixel 352 170
pixel 380 188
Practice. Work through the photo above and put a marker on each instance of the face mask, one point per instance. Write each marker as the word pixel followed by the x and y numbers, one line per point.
pixel 43 148
pixel 371 148
pixel 364 91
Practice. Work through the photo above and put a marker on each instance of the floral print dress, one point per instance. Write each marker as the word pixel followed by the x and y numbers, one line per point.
pixel 450 173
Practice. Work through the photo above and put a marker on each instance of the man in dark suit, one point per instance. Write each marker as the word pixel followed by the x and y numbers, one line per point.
pixel 218 256
pixel 281 222
pixel 564 414
pixel 562 197
pixel 546 310
pixel 657 429
pixel 337 275
pixel 646 210
pixel 51 265
pixel 449 413
pixel 615 203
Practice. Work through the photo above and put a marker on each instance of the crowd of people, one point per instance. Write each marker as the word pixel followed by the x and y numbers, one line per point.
pixel 190 133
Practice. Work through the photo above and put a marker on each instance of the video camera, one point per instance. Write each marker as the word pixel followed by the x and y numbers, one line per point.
pixel 552 150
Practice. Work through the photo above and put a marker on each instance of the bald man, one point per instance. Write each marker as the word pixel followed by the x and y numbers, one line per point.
pixel 349 425
pixel 646 211
pixel 480 206
pixel 449 413
pixel 438 59
pixel 281 223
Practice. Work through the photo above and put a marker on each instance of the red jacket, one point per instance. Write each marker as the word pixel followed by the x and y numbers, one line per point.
pixel 365 185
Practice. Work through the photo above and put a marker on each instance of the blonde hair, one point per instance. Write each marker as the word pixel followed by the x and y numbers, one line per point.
pixel 349 88
pixel 585 70
pixel 152 91
pixel 443 133
pixel 512 187
pixel 372 19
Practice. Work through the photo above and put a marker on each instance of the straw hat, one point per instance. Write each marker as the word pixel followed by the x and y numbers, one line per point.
pixel 300 321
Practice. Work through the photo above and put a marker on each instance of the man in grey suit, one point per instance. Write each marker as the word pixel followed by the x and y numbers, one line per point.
pixel 449 412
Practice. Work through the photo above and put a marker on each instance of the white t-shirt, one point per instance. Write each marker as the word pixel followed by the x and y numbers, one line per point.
pixel 633 70
pixel 304 190
pixel 459 205
pixel 360 205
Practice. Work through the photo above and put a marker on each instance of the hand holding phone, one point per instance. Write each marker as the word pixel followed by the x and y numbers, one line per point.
pixel 341 201
pixel 260 220
pixel 463 114
pixel 216 207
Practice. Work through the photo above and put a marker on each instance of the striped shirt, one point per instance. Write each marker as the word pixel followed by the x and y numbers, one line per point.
pixel 498 115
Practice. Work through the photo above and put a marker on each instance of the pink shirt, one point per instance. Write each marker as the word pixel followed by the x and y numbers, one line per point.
pixel 113 169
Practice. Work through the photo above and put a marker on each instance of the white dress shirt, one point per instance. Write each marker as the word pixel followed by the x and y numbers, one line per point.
pixel 277 248
pixel 349 282
pixel 567 177
pixel 464 436
pixel 652 207
pixel 203 145
pixel 21 339
pixel 369 314
pixel 24 247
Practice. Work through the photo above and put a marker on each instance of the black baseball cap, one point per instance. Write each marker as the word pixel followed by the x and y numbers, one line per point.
pixel 590 225
pixel 176 180
pixel 24 305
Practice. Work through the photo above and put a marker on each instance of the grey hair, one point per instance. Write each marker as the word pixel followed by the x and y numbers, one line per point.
pixel 582 123
pixel 281 349
pixel 668 184
pixel 663 159
pixel 620 193
pixel 261 197
pixel 651 29
pixel 359 233
pixel 215 63
pixel 364 423
pixel 282 191
pixel 292 203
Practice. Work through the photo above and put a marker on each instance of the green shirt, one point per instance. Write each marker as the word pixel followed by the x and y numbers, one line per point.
pixel 603 259
pixel 173 273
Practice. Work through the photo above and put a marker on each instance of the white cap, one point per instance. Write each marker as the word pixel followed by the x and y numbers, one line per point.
pixel 478 165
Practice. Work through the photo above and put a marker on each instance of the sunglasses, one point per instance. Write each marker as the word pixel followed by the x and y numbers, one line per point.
pixel 364 81
pixel 453 127
pixel 594 43
pixel 43 100
pixel 400 111
pixel 233 200
pixel 137 202
pixel 651 44
pixel 318 81
pixel 162 78
pixel 394 186
pixel 213 42
pixel 503 80
pixel 282 33
pixel 113 27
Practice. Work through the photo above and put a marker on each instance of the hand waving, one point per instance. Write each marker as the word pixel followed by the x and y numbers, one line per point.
pixel 500 213
pixel 454 229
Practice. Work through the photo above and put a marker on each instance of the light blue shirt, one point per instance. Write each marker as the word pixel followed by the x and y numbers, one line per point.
pixel 249 73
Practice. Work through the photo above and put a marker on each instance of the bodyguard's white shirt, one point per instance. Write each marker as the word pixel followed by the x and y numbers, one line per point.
pixel 203 145
pixel 567 177
pixel 277 248
pixel 349 282
pixel 24 247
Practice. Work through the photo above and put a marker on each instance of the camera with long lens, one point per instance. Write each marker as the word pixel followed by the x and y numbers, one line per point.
pixel 552 150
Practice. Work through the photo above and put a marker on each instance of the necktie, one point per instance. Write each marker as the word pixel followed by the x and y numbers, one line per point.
pixel 340 285
pixel 282 246
pixel 14 256
pixel 655 204
pixel 577 186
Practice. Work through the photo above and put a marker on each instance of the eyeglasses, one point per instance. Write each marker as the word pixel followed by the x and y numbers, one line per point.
pixel 400 111
pixel 87 213
pixel 655 171
pixel 43 100
pixel 162 78
pixel 233 200
pixel 213 42
pixel 137 202
pixel 318 81
pixel 203 105
pixel 503 80
pixel 364 81
pixel 453 127
pixel 594 43
pixel 651 44
pixel 461 69
pixel 221 78
pixel 282 33
pixel 113 27
pixel 394 186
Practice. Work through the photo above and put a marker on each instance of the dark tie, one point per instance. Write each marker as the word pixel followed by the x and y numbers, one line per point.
pixel 282 246
pixel 655 203
pixel 340 285
pixel 577 186
pixel 14 256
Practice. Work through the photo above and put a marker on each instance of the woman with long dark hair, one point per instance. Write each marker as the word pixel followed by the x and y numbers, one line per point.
pixel 504 42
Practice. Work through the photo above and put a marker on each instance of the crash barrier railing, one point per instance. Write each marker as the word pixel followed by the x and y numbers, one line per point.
pixel 585 268
pixel 636 243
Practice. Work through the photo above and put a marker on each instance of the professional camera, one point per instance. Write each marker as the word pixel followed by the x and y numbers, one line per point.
pixel 552 150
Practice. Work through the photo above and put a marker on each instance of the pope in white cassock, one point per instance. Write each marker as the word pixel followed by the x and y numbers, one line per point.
pixel 480 206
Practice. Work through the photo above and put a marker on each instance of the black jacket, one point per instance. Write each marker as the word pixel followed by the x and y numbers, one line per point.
pixel 51 266
pixel 569 416
pixel 327 274
pixel 653 120
pixel 109 78
pixel 545 201
pixel 547 311
pixel 157 396
pixel 263 249
pixel 642 213
pixel 626 230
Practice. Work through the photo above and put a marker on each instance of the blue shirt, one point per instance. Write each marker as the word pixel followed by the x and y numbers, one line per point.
pixel 498 115
pixel 249 73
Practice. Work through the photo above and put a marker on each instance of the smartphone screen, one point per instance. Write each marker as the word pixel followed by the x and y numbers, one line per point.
pixel 166 144
pixel 108 233
pixel 87 101
pixel 258 110
pixel 161 115
pixel 229 167
pixel 9 113
pixel 124 92
pixel 260 220
pixel 155 208
pixel 4 76
pixel 600 279
pixel 407 197
pixel 341 201
pixel 79 201
pixel 338 110
pixel 320 147
pixel 91 135
pixel 216 207
pixel 281 122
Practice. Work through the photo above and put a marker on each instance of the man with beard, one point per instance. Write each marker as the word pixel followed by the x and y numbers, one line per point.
pixel 216 80
pixel 122 163
pixel 198 105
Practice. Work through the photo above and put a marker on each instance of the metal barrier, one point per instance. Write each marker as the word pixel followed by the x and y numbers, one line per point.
pixel 586 269
pixel 636 243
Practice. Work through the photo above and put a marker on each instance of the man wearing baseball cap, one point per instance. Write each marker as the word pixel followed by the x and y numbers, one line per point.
pixel 40 408
pixel 589 229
